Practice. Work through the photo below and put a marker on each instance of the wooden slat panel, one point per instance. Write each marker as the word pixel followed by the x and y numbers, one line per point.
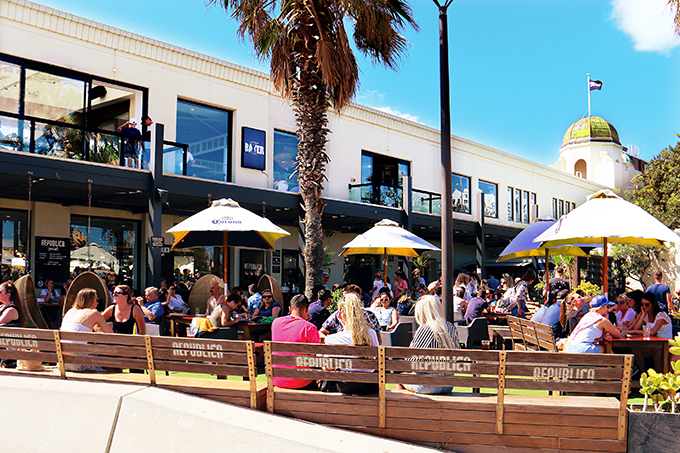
pixel 545 358
pixel 49 357
pixel 104 350
pixel 444 425
pixel 444 381
pixel 139 364
pixel 308 373
pixel 332 419
pixel 333 350
pixel 416 415
pixel 549 385
pixel 198 343
pixel 460 354
pixel 593 445
pixel 104 338
pixel 585 434
pixel 326 362
pixel 331 407
pixel 441 367
pixel 202 368
pixel 559 421
pixel 33 334
pixel 195 356
pixel 569 372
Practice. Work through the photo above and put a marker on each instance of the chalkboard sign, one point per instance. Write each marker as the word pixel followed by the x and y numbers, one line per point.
pixel 52 260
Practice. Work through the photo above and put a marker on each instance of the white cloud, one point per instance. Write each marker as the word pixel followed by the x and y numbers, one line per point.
pixel 391 111
pixel 649 23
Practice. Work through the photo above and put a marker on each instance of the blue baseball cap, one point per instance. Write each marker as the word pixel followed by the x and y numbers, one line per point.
pixel 598 301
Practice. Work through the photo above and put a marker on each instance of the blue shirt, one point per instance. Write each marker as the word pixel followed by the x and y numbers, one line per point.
pixel 493 283
pixel 155 307
pixel 660 291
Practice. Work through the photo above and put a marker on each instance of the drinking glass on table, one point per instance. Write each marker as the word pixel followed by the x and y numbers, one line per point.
pixel 646 331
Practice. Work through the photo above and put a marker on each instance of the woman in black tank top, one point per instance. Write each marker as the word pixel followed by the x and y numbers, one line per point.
pixel 122 302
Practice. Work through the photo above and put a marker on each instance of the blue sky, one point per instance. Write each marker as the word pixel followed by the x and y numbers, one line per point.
pixel 518 68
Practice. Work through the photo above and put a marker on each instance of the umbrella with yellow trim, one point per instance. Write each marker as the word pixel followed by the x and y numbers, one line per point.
pixel 226 223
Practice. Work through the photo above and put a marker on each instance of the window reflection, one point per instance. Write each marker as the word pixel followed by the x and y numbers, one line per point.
pixel 10 84
pixel 490 191
pixel 13 134
pixel 460 185
pixel 54 97
pixel 13 264
pixel 285 151
pixel 207 132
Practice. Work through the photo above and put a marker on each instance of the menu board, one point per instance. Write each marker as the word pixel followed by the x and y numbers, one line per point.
pixel 52 260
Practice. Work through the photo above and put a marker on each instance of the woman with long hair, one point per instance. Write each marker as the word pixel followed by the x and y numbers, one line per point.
pixel 387 315
pixel 515 299
pixel 268 306
pixel 659 322
pixel 435 332
pixel 9 313
pixel 356 332
pixel 122 313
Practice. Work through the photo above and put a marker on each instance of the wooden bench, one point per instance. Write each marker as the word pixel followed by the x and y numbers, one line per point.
pixel 493 420
pixel 531 336
pixel 150 354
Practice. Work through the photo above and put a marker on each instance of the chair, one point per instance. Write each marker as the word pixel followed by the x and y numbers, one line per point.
pixel 225 333
pixel 475 332
pixel 400 336
pixel 153 329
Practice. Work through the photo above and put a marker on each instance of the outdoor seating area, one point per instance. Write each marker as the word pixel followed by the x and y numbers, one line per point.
pixel 499 399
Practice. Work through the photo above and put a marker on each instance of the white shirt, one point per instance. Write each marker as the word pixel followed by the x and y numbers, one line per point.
pixel 344 337
pixel 176 302
pixel 666 331
pixel 53 297
pixel 620 319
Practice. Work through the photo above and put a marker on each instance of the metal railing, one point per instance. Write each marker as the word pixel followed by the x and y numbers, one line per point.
pixel 380 194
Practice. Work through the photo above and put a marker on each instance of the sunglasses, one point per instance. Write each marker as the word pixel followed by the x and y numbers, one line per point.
pixel 646 305
pixel 620 301
pixel 267 297
pixel 118 293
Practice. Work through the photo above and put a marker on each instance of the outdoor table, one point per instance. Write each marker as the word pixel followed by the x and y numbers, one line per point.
pixel 176 319
pixel 501 337
pixel 496 318
pixel 252 330
pixel 634 343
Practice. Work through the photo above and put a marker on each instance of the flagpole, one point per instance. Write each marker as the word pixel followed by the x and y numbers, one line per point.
pixel 588 86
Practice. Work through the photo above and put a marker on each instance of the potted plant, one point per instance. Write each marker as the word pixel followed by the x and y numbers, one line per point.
pixel 657 429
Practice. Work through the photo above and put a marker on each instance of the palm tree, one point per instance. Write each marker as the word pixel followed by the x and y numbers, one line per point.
pixel 313 65
pixel 675 6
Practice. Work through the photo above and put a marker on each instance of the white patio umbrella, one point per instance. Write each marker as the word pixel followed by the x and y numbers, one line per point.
pixel 606 218
pixel 387 238
pixel 226 223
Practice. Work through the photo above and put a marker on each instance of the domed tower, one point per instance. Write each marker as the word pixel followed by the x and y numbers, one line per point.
pixel 591 150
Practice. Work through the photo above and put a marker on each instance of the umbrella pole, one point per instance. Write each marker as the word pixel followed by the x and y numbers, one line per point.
pixel 605 270
pixel 385 269
pixel 224 262
pixel 547 274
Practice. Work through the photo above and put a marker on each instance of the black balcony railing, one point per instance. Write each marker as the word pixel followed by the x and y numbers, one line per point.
pixel 380 194
pixel 72 141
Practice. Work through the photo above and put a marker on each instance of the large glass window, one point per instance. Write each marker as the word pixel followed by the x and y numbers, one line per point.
pixel 13 264
pixel 490 191
pixel 10 86
pixel 381 180
pixel 525 207
pixel 511 192
pixel 112 249
pixel 460 185
pixel 207 131
pixel 285 151
pixel 54 97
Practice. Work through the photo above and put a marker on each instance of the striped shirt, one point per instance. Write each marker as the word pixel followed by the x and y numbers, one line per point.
pixel 424 337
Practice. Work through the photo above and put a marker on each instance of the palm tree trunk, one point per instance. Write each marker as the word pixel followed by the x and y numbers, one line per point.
pixel 310 101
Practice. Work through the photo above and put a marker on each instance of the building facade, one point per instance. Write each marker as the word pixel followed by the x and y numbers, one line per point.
pixel 67 84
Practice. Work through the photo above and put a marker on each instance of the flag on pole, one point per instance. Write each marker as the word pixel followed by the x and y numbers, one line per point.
pixel 595 85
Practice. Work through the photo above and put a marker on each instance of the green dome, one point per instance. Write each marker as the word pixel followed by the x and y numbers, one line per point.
pixel 600 131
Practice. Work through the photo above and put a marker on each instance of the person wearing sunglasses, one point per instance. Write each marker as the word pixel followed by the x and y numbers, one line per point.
pixel 268 307
pixel 174 301
pixel 586 336
pixel 659 322
pixel 124 314
pixel 625 314
pixel 9 313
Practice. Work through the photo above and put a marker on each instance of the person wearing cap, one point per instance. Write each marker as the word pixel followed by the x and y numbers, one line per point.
pixel 130 146
pixel 585 338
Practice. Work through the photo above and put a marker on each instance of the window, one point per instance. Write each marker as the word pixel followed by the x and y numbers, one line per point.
pixel 518 205
pixel 562 207
pixel 207 131
pixel 490 191
pixel 534 205
pixel 511 193
pixel 285 151
pixel 112 247
pixel 461 193
pixel 55 104
pixel 13 264
pixel 381 179
pixel 524 202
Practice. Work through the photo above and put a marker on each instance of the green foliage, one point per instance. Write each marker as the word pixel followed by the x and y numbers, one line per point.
pixel 663 389
pixel 634 261
pixel 589 289
pixel 536 291
pixel 658 188
pixel 336 296
pixel 328 257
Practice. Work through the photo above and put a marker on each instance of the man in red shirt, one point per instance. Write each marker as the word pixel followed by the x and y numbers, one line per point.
pixel 295 328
